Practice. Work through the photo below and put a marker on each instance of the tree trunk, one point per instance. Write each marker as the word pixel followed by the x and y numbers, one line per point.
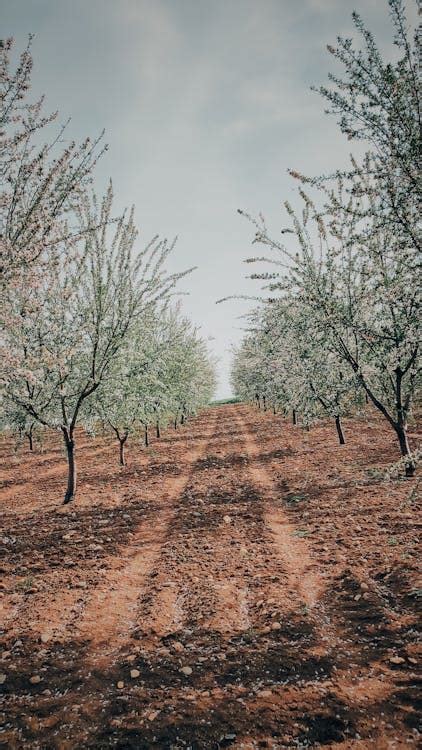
pixel 405 449
pixel 294 417
pixel 30 439
pixel 274 410
pixel 122 442
pixel 71 474
pixel 146 436
pixel 339 431
pixel 175 423
pixel 182 419
pixel 264 401
pixel 258 400
pixel 158 432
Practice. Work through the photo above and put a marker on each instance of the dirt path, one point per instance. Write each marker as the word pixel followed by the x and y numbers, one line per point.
pixel 203 603
pixel 304 578
pixel 108 616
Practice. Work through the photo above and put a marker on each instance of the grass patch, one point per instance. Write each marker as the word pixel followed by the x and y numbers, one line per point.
pixel 222 401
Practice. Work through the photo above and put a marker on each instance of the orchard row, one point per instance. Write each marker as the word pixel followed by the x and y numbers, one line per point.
pixel 91 331
pixel 342 324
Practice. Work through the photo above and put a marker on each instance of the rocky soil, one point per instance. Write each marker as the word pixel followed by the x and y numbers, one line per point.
pixel 242 584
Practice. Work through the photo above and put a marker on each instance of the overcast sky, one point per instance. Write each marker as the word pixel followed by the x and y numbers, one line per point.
pixel 206 104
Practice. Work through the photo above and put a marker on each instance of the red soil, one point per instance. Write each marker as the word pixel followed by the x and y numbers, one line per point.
pixel 259 579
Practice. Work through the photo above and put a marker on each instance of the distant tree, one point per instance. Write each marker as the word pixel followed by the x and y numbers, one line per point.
pixel 288 360
pixel 162 366
pixel 18 421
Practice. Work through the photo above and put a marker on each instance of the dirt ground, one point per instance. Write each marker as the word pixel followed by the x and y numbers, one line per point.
pixel 242 583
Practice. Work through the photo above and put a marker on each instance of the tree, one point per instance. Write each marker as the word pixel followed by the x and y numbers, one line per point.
pixel 63 336
pixel 41 184
pixel 19 422
pixel 162 366
pixel 190 374
pixel 132 390
pixel 379 102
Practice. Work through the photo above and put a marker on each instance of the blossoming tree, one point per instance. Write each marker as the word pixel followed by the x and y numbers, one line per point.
pixel 62 336
pixel 41 183
pixel 349 260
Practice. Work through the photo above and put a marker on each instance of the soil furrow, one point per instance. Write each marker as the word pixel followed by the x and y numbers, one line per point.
pixel 110 614
pixel 217 598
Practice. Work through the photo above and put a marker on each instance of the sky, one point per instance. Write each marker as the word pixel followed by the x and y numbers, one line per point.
pixel 206 104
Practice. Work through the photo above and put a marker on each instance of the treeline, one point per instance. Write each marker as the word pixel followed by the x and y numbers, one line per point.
pixel 342 323
pixel 90 331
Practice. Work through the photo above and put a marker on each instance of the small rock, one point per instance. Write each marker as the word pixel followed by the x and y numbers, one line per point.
pixel 3 679
pixel 357 597
pixel 396 660
pixel 153 715
pixel 120 685
pixel 186 670
pixel 131 658
pixel 45 637
pixel 227 519
pixel 35 679
pixel 134 673
pixel 276 626
pixel 364 586
pixel 264 694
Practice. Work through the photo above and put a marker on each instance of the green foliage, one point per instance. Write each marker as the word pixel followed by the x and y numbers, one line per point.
pixel 223 401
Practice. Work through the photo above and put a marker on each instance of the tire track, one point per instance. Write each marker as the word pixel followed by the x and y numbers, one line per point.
pixel 294 555
pixel 195 583
pixel 110 615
